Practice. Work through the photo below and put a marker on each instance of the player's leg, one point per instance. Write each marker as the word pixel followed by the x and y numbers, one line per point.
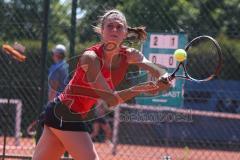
pixel 78 144
pixel 49 146
pixel 107 130
pixel 95 131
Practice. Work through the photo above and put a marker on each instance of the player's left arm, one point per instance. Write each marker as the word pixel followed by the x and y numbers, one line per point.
pixel 137 58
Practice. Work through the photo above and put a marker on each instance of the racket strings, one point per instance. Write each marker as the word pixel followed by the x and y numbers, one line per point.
pixel 202 59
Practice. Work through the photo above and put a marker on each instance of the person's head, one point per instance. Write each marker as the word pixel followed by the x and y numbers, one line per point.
pixel 234 102
pixel 58 53
pixel 113 27
pixel 220 102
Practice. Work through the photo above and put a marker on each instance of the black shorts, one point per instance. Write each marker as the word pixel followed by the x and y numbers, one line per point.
pixel 57 115
pixel 101 120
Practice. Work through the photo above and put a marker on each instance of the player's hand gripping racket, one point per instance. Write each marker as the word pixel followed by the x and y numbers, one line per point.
pixel 203 62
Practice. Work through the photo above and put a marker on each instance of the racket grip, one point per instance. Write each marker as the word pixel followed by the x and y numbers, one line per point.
pixel 171 77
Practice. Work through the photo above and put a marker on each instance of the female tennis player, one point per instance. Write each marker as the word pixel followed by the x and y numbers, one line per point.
pixel 101 67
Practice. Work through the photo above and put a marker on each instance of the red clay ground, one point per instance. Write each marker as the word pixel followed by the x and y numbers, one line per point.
pixel 129 152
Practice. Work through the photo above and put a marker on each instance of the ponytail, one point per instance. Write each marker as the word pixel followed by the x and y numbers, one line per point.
pixel 136 33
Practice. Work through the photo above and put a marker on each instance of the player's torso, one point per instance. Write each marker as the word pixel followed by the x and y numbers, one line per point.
pixel 113 75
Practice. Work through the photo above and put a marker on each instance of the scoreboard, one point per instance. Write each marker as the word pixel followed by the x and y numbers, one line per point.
pixel 159 49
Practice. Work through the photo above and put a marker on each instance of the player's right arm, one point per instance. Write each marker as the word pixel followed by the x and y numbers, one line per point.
pixel 91 64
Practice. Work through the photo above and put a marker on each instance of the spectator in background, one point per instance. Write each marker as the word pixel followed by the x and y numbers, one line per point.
pixel 238 109
pixel 58 72
pixel 233 106
pixel 101 122
pixel 57 80
pixel 220 107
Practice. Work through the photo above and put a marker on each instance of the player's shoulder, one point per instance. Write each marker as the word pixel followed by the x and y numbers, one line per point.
pixel 93 52
pixel 134 56
pixel 89 56
pixel 97 48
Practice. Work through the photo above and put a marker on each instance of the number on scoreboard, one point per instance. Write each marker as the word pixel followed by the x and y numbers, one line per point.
pixel 165 60
pixel 164 41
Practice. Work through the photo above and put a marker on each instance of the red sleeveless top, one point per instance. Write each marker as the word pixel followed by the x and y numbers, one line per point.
pixel 82 104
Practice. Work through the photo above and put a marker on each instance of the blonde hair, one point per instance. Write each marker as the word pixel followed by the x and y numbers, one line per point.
pixel 136 33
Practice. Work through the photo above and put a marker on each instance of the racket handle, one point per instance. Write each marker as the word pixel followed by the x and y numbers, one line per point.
pixel 171 77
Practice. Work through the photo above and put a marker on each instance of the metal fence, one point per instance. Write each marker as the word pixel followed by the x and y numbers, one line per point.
pixel 41 24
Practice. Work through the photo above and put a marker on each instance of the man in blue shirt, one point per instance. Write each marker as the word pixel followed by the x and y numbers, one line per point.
pixel 57 80
pixel 58 72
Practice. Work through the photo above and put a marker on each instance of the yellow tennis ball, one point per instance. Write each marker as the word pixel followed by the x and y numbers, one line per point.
pixel 180 55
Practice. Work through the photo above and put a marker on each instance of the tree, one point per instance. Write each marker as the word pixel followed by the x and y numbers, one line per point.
pixel 59 21
pixel 24 20
pixel 20 19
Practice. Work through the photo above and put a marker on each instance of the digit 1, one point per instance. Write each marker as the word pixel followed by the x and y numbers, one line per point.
pixel 173 41
pixel 170 61
pixel 154 59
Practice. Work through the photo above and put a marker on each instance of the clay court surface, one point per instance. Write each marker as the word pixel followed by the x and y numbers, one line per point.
pixel 129 152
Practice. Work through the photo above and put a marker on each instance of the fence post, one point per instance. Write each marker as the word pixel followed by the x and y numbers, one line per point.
pixel 44 50
pixel 73 33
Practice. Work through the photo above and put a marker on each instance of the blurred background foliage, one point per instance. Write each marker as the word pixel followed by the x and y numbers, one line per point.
pixel 22 20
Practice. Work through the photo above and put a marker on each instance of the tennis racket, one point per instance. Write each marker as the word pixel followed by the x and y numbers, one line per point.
pixel 31 129
pixel 15 51
pixel 204 60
